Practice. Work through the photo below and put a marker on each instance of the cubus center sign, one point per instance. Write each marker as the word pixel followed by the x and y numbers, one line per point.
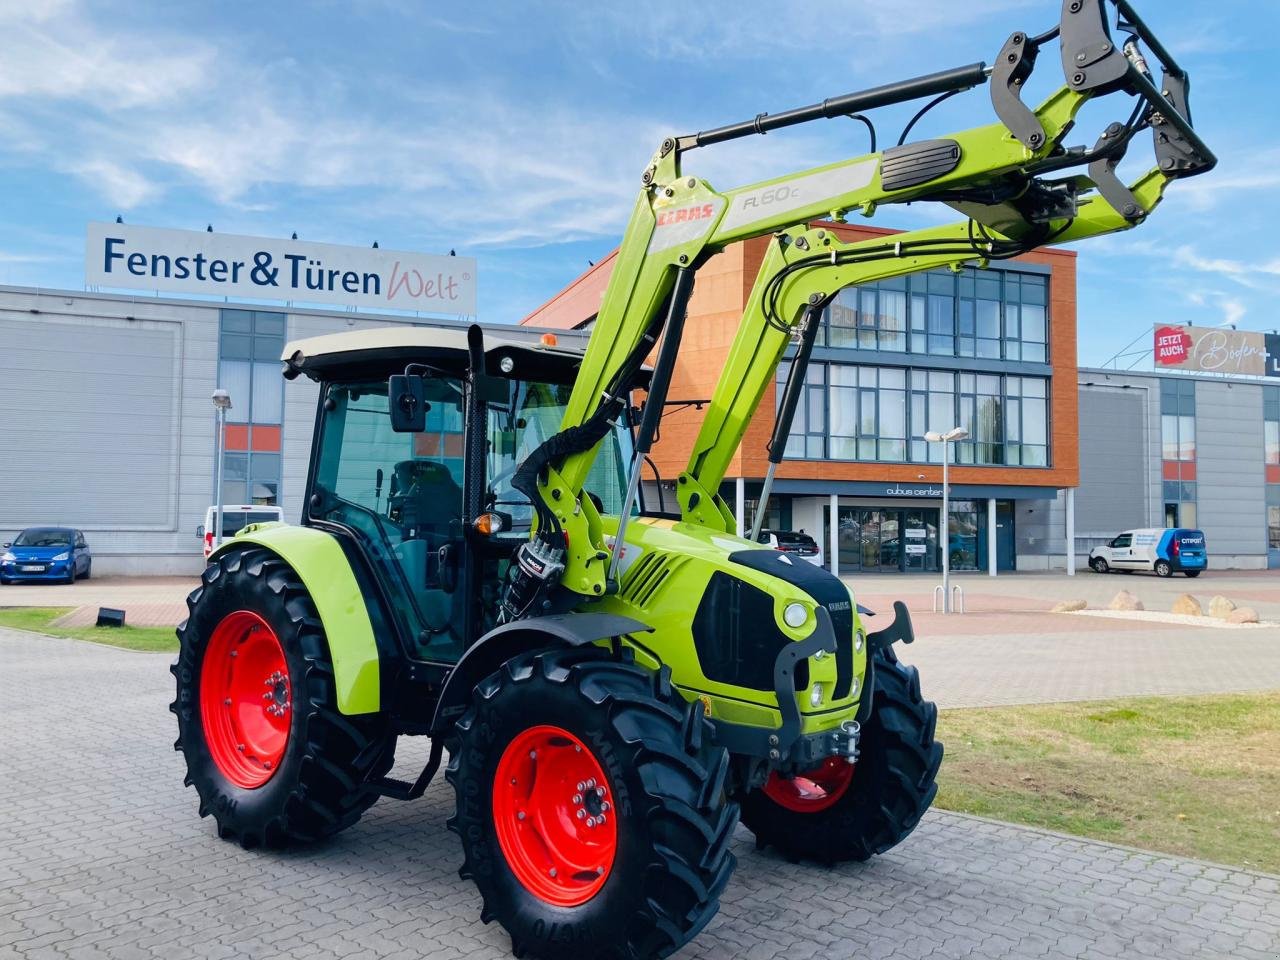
pixel 257 268
pixel 1214 350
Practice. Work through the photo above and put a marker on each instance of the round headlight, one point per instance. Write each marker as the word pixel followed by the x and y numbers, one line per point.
pixel 795 615
pixel 506 364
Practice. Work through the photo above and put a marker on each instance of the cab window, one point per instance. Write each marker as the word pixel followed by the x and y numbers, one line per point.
pixel 1123 540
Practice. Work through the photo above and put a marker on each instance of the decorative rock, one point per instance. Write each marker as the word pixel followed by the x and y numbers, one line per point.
pixel 1069 606
pixel 1124 600
pixel 1188 605
pixel 1220 607
pixel 1243 615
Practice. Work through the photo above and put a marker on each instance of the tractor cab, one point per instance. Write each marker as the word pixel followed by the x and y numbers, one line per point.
pixel 439 538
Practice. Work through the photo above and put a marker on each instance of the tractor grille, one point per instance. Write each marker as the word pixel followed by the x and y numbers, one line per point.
pixel 736 636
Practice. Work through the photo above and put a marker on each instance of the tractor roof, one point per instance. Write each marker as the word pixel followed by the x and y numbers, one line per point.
pixel 380 352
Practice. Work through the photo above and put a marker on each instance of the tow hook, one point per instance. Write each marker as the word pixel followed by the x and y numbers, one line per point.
pixel 844 742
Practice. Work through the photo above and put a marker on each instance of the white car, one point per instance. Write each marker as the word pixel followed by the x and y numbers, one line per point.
pixel 801 544
pixel 235 517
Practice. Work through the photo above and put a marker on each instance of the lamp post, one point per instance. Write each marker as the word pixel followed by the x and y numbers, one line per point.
pixel 946 439
pixel 221 403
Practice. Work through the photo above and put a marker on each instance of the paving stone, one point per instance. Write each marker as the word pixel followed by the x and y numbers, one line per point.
pixel 102 856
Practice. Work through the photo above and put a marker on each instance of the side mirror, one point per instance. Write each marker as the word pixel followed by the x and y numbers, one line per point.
pixel 200 530
pixel 6 544
pixel 407 399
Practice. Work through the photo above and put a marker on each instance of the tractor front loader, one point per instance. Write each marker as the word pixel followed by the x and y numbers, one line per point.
pixel 616 685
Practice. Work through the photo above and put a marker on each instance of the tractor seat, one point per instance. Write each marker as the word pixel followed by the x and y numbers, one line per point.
pixel 430 499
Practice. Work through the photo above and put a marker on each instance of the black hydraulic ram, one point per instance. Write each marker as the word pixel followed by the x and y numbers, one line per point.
pixel 787 411
pixel 959 78
pixel 659 383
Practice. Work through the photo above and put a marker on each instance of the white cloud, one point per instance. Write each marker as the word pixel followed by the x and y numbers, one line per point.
pixel 1245 273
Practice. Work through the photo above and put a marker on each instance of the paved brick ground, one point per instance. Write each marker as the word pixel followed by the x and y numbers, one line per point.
pixel 102 855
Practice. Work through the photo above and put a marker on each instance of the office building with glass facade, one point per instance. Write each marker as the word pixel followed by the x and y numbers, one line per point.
pixel 993 351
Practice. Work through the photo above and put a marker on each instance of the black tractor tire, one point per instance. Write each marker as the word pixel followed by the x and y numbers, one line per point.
pixel 1192 573
pixel 1100 565
pixel 893 782
pixel 673 817
pixel 1164 569
pixel 318 787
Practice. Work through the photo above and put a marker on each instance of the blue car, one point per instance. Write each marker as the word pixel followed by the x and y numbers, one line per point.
pixel 56 554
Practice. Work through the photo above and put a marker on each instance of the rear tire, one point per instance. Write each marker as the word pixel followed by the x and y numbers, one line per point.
pixel 891 788
pixel 651 879
pixel 1192 573
pixel 1099 565
pixel 303 776
pixel 1163 569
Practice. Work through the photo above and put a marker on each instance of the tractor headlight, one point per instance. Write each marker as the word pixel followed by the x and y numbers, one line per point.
pixel 62 556
pixel 857 642
pixel 815 695
pixel 795 615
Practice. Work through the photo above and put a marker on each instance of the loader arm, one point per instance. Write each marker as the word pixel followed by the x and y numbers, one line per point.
pixel 802 270
pixel 997 175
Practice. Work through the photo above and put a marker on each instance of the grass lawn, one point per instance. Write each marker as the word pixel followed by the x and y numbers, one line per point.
pixel 1195 776
pixel 133 638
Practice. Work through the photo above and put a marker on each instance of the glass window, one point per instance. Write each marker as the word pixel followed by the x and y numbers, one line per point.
pixel 234 376
pixel 1273 528
pixel 268 393
pixel 1186 438
pixel 1271 441
pixel 893 320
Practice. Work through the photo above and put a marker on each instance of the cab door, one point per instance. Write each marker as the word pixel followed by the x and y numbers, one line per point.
pixel 1121 552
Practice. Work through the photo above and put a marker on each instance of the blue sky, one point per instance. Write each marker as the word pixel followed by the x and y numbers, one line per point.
pixel 516 132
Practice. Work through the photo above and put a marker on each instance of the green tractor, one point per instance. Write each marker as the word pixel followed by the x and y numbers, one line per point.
pixel 616 685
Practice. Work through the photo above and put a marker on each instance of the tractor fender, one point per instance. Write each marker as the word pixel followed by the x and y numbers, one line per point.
pixel 502 643
pixel 318 560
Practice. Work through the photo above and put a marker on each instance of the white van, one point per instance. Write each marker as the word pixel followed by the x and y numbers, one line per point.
pixel 1165 551
pixel 235 517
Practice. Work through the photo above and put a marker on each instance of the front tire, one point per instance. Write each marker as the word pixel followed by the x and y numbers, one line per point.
pixel 267 750
pixel 834 817
pixel 646 879
pixel 1099 565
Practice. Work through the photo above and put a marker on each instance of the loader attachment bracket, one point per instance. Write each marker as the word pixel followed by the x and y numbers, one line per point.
pixel 1016 60
pixel 900 629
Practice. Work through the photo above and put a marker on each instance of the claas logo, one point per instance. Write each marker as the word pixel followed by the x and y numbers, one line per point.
pixel 699 212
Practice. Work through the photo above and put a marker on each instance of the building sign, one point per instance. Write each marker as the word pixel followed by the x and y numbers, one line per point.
pixel 1215 350
pixel 911 490
pixel 259 268
pixel 913 548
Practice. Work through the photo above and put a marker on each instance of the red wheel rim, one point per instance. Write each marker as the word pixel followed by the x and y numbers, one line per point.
pixel 245 699
pixel 554 817
pixel 813 791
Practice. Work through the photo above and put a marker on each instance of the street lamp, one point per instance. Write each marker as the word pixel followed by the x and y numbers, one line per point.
pixel 221 403
pixel 946 439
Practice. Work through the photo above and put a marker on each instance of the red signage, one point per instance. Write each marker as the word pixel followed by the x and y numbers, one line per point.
pixel 1172 346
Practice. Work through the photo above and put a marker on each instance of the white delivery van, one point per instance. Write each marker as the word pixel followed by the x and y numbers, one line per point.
pixel 235 517
pixel 1164 551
